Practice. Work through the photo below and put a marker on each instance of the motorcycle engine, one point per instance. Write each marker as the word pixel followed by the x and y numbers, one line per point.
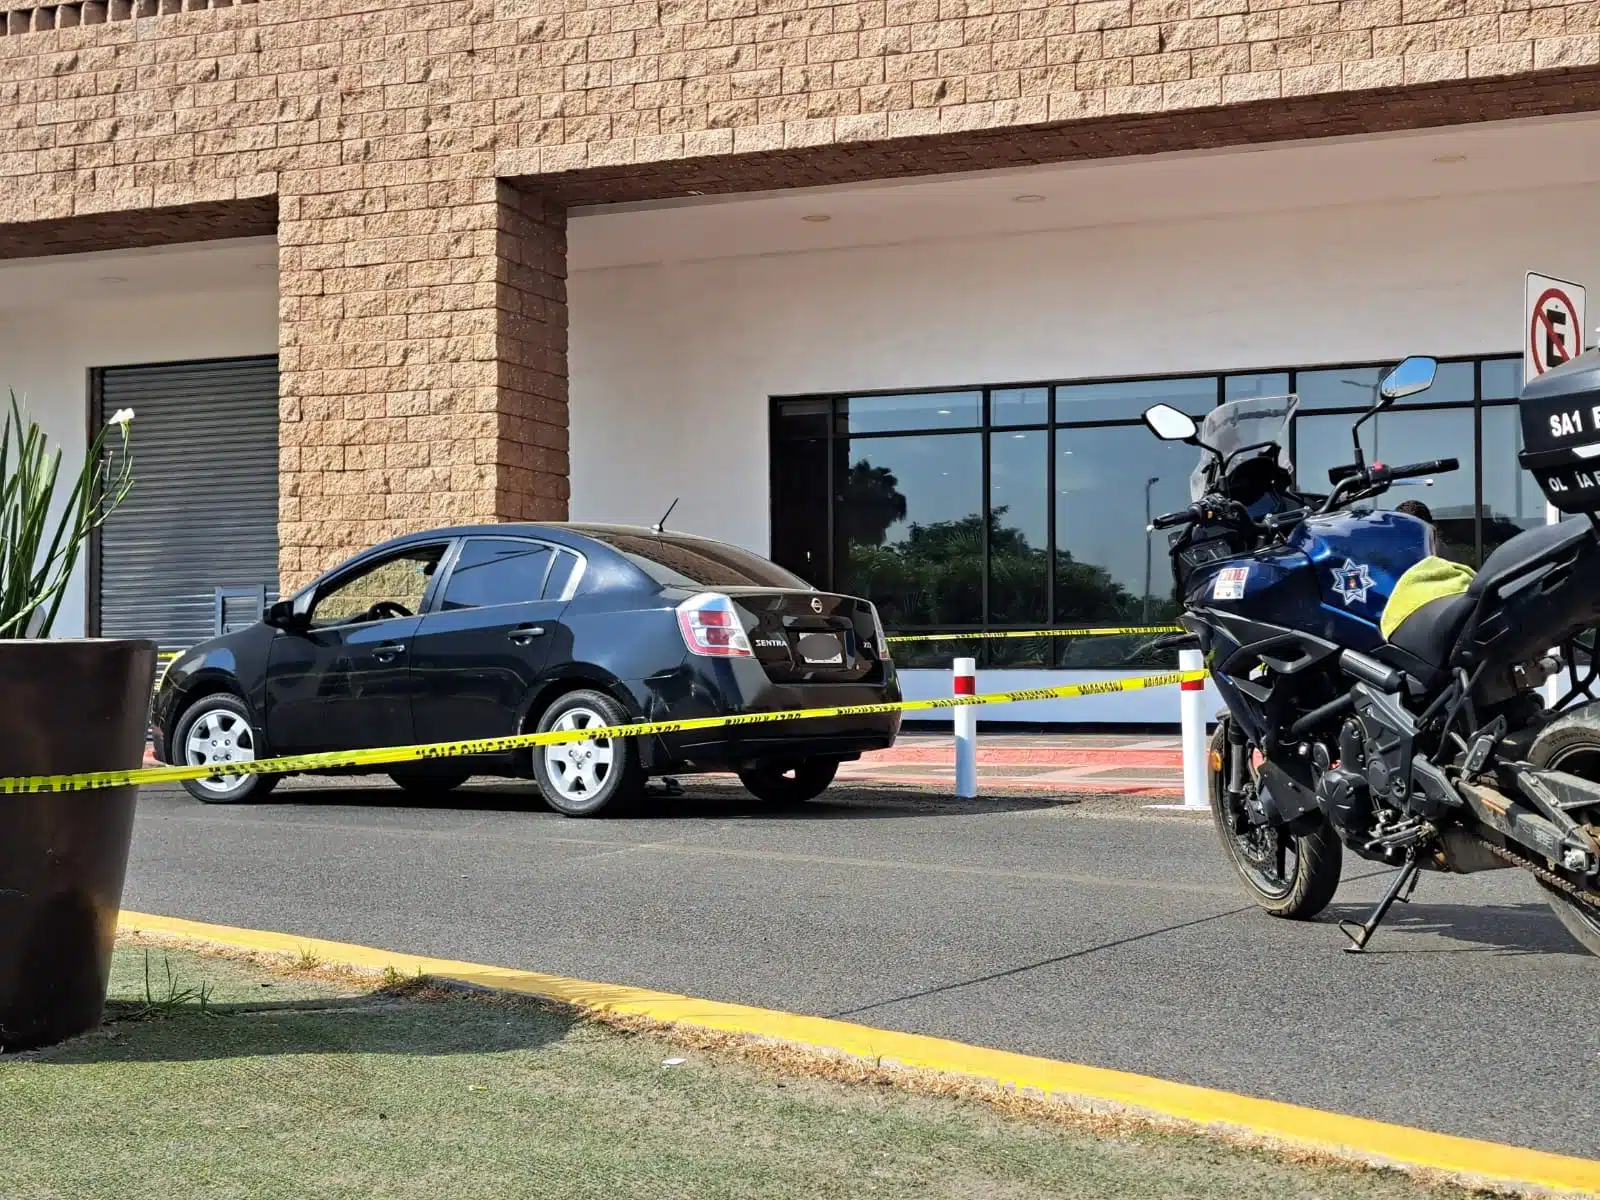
pixel 1343 791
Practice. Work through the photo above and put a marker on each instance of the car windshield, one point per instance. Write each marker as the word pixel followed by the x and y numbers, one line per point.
pixel 673 560
pixel 1229 428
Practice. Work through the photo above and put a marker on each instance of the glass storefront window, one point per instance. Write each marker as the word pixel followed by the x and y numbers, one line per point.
pixel 802 418
pixel 1019 527
pixel 1108 569
pixel 908 521
pixel 1339 387
pixel 1502 378
pixel 925 410
pixel 1019 406
pixel 1512 500
pixel 1125 401
pixel 800 523
pixel 1019 507
pixel 1249 387
pixel 1452 384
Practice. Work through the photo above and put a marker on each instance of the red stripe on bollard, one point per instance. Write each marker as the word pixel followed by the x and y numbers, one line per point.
pixel 1190 685
pixel 967 685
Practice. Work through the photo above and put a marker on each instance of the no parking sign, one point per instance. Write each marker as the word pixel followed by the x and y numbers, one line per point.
pixel 1552 325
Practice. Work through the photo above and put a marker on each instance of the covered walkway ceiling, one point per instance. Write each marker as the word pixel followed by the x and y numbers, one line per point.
pixel 1548 153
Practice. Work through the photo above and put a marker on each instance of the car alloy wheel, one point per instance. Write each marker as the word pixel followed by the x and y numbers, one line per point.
pixel 216 736
pixel 588 775
pixel 578 770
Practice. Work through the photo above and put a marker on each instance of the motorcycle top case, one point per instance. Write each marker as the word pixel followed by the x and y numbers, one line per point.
pixel 1561 433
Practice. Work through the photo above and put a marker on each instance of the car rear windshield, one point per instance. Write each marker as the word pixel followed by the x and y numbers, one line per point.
pixel 696 562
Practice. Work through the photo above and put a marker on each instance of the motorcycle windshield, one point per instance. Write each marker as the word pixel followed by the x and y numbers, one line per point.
pixel 1229 428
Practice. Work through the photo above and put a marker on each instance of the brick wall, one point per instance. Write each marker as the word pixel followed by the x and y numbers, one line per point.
pixel 422 298
pixel 422 335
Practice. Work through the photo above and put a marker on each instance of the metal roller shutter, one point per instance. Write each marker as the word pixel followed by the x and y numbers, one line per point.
pixel 203 513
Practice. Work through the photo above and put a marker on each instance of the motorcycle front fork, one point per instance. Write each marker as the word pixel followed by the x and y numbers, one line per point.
pixel 1401 888
pixel 1238 765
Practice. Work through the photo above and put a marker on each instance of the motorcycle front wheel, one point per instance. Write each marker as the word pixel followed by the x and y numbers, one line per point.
pixel 1291 875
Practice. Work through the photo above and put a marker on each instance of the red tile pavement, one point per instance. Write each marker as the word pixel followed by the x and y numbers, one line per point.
pixel 989 754
pixel 1114 763
pixel 1117 763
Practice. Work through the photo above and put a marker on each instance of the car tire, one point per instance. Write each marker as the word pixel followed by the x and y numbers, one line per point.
pixel 790 785
pixel 582 779
pixel 218 728
pixel 416 784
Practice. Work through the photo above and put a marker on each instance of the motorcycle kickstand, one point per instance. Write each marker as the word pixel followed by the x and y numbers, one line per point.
pixel 1360 933
pixel 1405 896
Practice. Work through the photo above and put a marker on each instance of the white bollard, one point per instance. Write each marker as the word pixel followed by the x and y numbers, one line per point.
pixel 966 725
pixel 1192 716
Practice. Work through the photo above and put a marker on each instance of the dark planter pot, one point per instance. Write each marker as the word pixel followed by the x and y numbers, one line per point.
pixel 66 707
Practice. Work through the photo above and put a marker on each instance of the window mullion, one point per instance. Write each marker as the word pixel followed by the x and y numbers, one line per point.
pixel 1050 521
pixel 985 509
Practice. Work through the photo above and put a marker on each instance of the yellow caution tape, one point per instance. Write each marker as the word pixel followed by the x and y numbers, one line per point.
pixel 1110 631
pixel 343 759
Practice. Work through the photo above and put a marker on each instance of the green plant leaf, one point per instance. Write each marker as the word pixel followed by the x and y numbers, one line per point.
pixel 36 560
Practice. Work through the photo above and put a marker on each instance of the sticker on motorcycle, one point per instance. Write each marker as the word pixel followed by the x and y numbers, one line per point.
pixel 1352 582
pixel 1229 583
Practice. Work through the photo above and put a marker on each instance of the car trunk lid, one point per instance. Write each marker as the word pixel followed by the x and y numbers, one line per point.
pixel 810 637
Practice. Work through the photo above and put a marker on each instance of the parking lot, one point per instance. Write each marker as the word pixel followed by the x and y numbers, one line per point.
pixel 1075 924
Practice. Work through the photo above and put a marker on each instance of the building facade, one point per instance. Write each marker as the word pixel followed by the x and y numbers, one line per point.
pixel 519 259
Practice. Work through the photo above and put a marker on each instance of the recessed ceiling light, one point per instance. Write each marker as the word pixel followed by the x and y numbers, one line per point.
pixel 1019 436
pixel 944 412
pixel 1450 160
pixel 113 279
pixel 816 218
pixel 1027 198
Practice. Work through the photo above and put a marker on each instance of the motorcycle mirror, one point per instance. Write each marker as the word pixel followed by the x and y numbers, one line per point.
pixel 1410 377
pixel 1169 424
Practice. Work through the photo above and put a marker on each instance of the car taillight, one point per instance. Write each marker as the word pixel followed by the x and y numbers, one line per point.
pixel 711 627
pixel 877 630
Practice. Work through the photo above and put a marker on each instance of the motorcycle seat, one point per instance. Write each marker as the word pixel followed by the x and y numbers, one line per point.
pixel 1429 634
pixel 1527 549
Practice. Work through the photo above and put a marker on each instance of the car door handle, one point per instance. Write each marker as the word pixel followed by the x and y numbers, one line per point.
pixel 524 634
pixel 386 652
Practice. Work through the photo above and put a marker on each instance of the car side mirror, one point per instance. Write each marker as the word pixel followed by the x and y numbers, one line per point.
pixel 1169 424
pixel 291 615
pixel 1410 377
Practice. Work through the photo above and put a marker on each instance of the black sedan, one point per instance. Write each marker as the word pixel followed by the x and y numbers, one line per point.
pixel 491 630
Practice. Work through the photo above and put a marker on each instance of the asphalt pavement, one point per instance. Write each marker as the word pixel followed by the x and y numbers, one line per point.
pixel 1075 926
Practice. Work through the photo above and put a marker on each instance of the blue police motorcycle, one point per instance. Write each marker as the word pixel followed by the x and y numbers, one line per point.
pixel 1427 749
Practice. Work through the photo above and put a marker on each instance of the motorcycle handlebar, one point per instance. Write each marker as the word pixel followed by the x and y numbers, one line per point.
pixel 1435 466
pixel 1168 520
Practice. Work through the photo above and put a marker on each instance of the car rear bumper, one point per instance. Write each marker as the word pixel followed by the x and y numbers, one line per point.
pixel 739 686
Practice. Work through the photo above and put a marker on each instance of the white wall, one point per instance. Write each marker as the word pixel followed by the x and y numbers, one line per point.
pixel 672 364
pixel 46 355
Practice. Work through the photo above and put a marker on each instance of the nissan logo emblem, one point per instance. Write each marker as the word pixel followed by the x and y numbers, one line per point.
pixel 816 605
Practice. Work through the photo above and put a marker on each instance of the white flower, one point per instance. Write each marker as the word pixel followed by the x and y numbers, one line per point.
pixel 121 417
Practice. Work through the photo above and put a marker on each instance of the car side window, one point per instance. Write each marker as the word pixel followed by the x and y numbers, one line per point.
pixel 492 571
pixel 392 587
pixel 565 572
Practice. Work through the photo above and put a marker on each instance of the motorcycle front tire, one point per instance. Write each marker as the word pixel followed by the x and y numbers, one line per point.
pixel 1261 857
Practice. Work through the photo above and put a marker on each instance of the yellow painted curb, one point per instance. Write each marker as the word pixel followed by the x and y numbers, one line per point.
pixel 1290 1123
